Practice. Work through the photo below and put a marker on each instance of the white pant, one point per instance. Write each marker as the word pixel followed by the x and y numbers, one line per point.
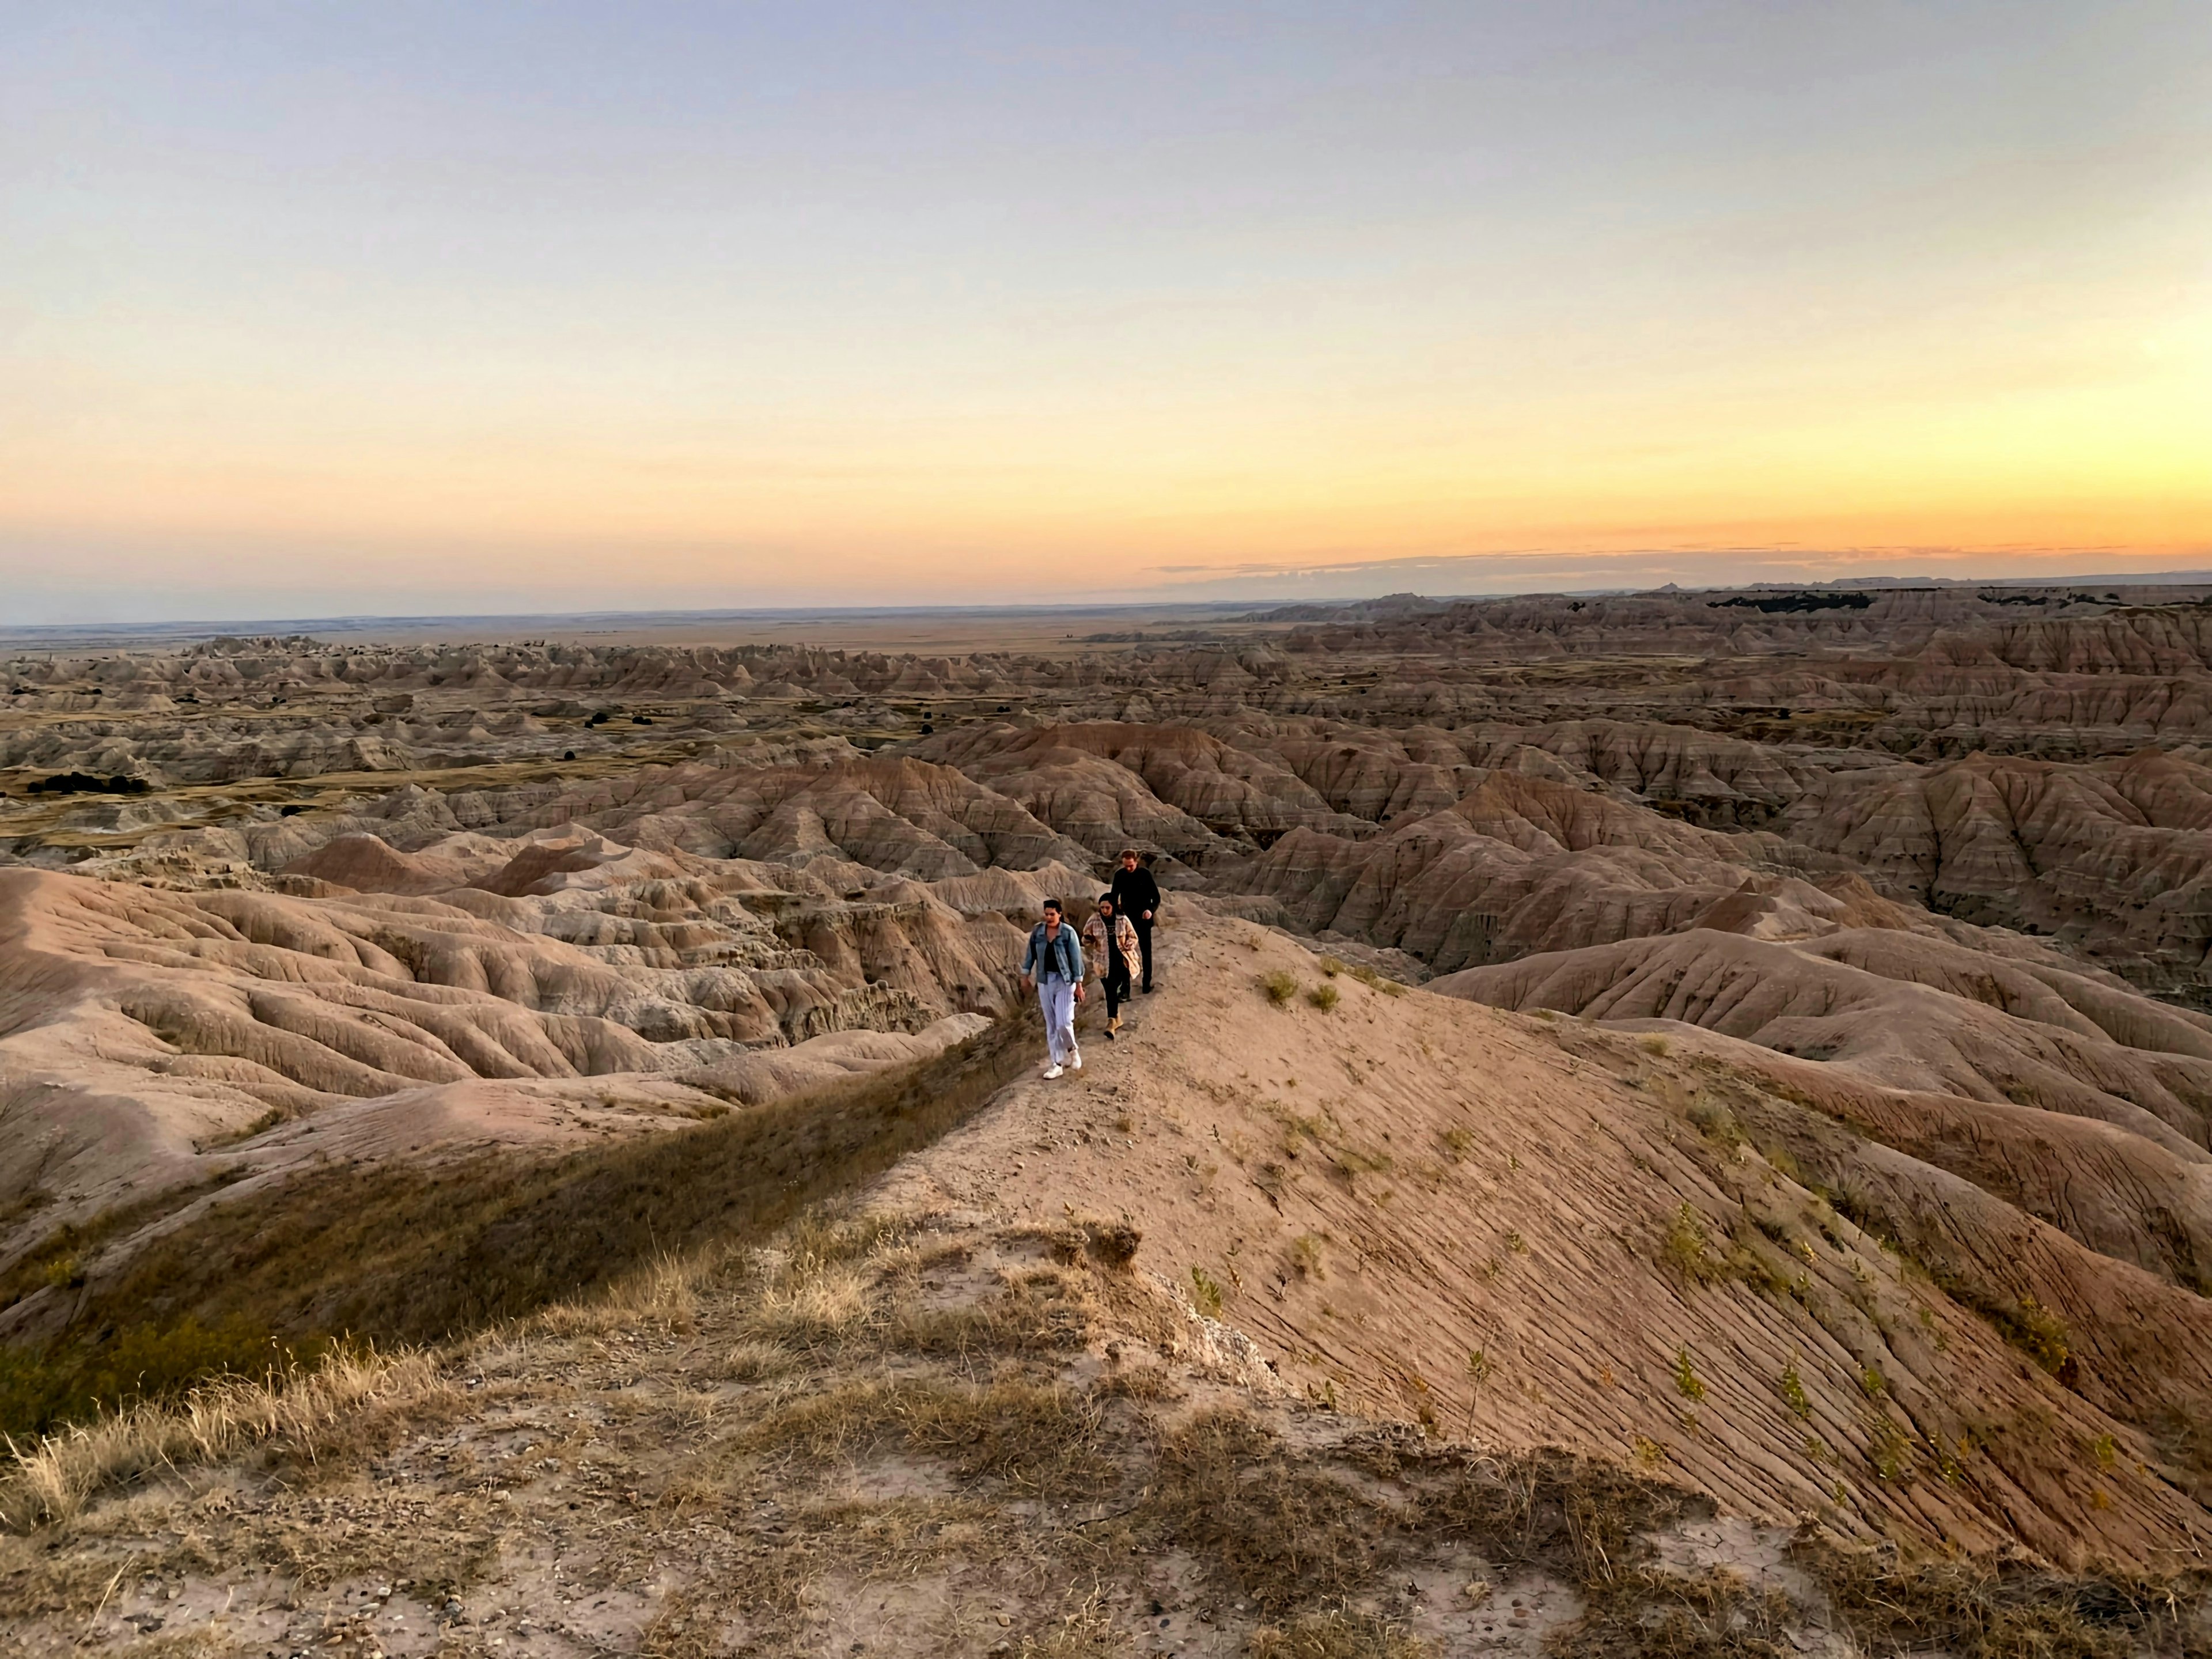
pixel 1057 998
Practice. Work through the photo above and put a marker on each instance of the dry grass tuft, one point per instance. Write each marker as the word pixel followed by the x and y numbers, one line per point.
pixel 1323 996
pixel 1976 1609
pixel 1280 986
pixel 1713 1614
pixel 1279 1531
pixel 1041 1439
pixel 1042 1312
pixel 755 1361
pixel 1089 1632
pixel 1375 982
pixel 812 1305
pixel 665 1292
pixel 1577 1517
pixel 1339 1633
pixel 307 1413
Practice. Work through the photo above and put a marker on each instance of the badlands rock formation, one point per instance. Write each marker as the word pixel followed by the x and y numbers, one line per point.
pixel 1870 924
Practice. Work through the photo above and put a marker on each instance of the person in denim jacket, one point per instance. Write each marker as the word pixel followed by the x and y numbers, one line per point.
pixel 1054 965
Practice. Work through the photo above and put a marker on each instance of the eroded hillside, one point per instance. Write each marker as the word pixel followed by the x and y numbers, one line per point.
pixel 1806 1104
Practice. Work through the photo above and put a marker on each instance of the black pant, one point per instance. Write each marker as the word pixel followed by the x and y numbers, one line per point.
pixel 1117 982
pixel 1144 926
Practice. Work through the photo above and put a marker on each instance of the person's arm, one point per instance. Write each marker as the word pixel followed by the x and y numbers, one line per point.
pixel 1029 959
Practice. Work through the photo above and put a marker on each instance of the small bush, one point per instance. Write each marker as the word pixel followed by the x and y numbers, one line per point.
pixel 2043 1334
pixel 1280 986
pixel 1687 1383
pixel 1205 1290
pixel 1653 1044
pixel 1375 982
pixel 1324 997
pixel 1354 1161
pixel 1792 1387
pixel 1683 1247
pixel 1306 1256
pixel 1331 966
pixel 1717 1124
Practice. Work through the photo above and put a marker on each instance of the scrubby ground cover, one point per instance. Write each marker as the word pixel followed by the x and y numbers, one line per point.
pixel 912 1436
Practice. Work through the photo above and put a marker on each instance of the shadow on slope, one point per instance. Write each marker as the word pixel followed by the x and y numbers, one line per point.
pixel 399 1254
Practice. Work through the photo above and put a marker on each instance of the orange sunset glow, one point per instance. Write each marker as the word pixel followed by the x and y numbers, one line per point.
pixel 416 312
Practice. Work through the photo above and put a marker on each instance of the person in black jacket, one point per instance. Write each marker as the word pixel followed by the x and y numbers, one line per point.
pixel 1137 896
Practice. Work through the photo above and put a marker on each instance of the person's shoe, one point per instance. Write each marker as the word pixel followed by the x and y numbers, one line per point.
pixel 1075 1062
pixel 1052 1070
pixel 1112 1026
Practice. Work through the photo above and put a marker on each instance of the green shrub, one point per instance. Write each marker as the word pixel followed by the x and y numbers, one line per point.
pixel 1205 1290
pixel 1687 1383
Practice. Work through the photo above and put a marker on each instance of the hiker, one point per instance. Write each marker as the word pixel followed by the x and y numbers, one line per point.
pixel 1110 942
pixel 1053 964
pixel 1137 896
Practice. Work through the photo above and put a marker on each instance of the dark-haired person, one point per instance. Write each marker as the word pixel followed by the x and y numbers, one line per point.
pixel 1137 896
pixel 1110 942
pixel 1053 964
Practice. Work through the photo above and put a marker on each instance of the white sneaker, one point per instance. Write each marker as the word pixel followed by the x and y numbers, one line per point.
pixel 1052 1070
pixel 1075 1062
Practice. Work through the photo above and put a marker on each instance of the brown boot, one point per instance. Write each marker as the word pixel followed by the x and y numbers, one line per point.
pixel 1112 1026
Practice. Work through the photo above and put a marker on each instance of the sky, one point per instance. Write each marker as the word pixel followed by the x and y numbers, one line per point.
pixel 409 308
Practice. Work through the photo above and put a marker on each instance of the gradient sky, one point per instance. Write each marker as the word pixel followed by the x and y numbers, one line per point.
pixel 393 307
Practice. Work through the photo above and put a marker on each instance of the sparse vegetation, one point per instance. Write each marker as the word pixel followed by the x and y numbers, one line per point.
pixel 1717 1124
pixel 1308 1257
pixel 1687 1383
pixel 1206 1292
pixel 1089 1632
pixel 1375 982
pixel 1351 1162
pixel 1338 1633
pixel 1280 988
pixel 1331 966
pixel 1324 997
pixel 306 1412
pixel 1792 1387
pixel 1980 1609
pixel 1685 1246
